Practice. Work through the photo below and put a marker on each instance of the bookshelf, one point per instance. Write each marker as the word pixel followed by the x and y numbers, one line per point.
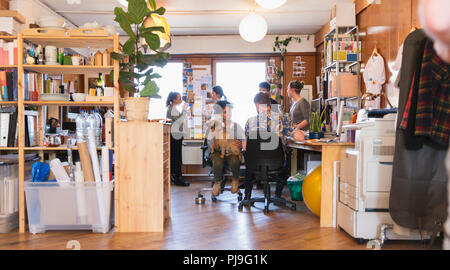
pixel 338 59
pixel 91 42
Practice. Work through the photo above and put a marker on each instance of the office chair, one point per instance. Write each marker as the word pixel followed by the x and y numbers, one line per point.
pixel 268 166
pixel 207 162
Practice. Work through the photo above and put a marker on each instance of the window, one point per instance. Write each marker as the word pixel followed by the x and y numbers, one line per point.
pixel 240 81
pixel 172 80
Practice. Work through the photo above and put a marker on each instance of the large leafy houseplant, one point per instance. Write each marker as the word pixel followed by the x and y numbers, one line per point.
pixel 136 74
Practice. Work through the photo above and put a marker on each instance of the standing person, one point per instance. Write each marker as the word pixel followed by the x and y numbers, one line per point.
pixel 217 93
pixel 300 108
pixel 176 138
pixel 265 87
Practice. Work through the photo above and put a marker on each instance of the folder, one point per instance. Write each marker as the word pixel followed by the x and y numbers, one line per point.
pixel 4 128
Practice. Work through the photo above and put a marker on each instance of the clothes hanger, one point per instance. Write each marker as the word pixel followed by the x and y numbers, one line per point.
pixel 375 51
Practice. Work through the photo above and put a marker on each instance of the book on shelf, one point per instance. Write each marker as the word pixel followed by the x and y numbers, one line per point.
pixel 30 81
pixel 8 84
pixel 8 52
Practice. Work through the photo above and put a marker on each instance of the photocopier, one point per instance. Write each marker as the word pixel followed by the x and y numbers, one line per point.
pixel 365 180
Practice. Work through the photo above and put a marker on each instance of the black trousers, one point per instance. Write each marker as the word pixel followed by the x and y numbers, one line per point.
pixel 175 156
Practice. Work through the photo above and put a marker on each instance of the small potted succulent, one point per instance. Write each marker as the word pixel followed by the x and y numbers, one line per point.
pixel 316 122
pixel 136 74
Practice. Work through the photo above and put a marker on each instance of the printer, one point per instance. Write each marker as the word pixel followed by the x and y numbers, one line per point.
pixel 365 176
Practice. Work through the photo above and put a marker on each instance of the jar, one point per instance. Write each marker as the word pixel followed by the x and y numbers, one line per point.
pixel 52 140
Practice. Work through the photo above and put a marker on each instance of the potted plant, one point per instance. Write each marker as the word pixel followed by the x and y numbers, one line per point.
pixel 136 74
pixel 316 122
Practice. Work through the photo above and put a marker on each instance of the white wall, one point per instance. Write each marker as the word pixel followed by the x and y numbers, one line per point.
pixel 33 9
pixel 234 44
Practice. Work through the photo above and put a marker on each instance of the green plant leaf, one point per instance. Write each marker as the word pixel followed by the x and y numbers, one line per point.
pixel 138 10
pixel 124 21
pixel 152 40
pixel 111 76
pixel 150 89
pixel 160 11
pixel 128 47
pixel 152 4
pixel 152 29
pixel 130 89
pixel 118 56
pixel 159 60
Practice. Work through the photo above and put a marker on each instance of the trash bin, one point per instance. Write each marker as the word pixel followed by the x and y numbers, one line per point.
pixel 295 187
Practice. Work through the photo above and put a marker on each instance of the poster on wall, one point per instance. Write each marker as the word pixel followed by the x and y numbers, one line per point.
pixel 298 68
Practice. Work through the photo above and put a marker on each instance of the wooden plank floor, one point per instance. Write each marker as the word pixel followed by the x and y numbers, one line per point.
pixel 212 226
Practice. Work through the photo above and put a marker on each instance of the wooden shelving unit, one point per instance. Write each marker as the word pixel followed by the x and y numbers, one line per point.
pixel 58 69
pixel 336 35
pixel 60 42
pixel 69 103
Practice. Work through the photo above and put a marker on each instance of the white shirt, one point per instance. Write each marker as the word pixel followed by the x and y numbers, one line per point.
pixel 374 74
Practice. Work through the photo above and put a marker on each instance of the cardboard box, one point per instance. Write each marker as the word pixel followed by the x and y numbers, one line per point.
pixel 348 85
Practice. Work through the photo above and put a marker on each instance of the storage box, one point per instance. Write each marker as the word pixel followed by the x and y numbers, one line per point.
pixel 69 206
pixel 9 222
pixel 343 14
pixel 348 85
pixel 9 183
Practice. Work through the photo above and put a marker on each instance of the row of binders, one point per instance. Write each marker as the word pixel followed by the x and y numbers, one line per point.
pixel 9 129
pixel 8 52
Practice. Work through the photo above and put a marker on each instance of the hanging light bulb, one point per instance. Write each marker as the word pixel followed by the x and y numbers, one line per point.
pixel 270 4
pixel 123 2
pixel 158 20
pixel 253 27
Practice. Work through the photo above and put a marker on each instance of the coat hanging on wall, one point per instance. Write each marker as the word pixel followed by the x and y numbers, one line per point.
pixel 418 198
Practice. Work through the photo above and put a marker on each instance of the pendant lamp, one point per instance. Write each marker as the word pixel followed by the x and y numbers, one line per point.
pixel 270 4
pixel 253 27
pixel 158 20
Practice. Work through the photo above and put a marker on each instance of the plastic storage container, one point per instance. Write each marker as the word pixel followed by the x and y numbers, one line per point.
pixel 9 190
pixel 9 222
pixel 69 206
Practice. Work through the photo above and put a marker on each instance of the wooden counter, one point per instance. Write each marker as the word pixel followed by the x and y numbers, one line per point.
pixel 143 187
pixel 331 152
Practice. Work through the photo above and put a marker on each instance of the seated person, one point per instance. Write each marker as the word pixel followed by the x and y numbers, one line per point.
pixel 225 137
pixel 270 121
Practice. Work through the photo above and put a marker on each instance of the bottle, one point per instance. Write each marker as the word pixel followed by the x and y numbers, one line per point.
pixel 100 85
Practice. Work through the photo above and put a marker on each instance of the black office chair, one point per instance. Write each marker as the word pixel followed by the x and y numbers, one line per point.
pixel 268 166
pixel 207 162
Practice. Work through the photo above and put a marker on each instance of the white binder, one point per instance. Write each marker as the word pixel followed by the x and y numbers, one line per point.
pixel 4 128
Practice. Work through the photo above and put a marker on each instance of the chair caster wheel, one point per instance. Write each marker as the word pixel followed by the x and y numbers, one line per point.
pixel 294 207
pixel 214 199
pixel 240 207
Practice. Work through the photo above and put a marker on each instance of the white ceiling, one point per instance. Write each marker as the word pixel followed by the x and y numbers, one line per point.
pixel 210 17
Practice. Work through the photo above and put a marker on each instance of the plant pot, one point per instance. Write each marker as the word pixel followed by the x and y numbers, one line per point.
pixel 315 135
pixel 136 108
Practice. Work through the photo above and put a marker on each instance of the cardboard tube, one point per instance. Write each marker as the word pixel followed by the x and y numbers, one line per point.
pixel 98 180
pixel 105 164
pixel 86 163
pixel 80 195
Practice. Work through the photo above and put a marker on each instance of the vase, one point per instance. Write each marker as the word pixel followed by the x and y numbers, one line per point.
pixel 136 108
pixel 315 135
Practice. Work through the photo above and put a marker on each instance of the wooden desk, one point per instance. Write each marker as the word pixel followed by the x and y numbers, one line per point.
pixel 331 152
